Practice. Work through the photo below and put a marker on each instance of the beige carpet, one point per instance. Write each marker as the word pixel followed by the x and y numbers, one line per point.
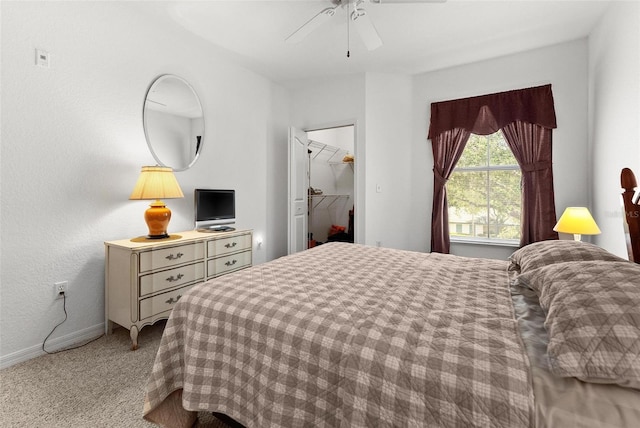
pixel 98 385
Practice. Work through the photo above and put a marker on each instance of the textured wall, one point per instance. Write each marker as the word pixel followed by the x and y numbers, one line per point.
pixel 614 81
pixel 73 145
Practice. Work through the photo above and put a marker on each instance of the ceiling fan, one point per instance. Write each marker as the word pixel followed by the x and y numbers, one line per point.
pixel 357 15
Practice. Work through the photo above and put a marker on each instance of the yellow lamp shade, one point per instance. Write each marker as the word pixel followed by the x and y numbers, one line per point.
pixel 157 182
pixel 578 221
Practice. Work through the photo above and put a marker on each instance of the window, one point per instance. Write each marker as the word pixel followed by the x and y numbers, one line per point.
pixel 526 118
pixel 483 191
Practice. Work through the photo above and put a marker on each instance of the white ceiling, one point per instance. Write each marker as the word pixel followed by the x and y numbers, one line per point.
pixel 417 37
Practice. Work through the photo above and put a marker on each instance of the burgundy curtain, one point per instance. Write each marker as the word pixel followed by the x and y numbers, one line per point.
pixel 486 114
pixel 447 149
pixel 531 146
pixel 528 116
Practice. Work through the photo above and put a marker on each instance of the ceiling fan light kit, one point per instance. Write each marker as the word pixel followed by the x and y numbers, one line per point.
pixel 406 1
pixel 358 16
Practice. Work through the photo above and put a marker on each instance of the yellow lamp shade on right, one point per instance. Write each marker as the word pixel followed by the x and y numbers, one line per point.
pixel 578 221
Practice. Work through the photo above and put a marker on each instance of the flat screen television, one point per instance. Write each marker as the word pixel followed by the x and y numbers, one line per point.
pixel 215 209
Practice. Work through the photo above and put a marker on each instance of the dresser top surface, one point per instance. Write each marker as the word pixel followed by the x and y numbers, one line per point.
pixel 185 237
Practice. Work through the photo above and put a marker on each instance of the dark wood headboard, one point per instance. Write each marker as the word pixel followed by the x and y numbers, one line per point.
pixel 632 211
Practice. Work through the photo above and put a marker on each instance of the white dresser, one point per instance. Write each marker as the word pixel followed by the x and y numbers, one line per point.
pixel 143 280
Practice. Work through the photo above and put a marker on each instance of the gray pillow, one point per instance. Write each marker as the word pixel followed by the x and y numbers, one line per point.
pixel 544 253
pixel 593 319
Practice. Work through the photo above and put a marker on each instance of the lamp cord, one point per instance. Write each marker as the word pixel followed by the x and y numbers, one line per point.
pixel 64 308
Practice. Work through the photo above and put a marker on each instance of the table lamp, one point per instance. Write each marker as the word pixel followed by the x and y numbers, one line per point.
pixel 577 220
pixel 155 183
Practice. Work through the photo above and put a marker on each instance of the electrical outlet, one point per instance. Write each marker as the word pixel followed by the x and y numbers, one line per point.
pixel 59 288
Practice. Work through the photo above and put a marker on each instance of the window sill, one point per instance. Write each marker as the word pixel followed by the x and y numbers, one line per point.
pixel 492 242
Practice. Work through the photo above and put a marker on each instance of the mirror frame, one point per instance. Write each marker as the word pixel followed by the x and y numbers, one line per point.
pixel 155 81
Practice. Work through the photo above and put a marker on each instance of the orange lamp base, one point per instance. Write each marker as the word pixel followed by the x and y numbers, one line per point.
pixel 157 218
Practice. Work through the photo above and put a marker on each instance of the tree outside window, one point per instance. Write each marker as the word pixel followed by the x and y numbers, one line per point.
pixel 484 193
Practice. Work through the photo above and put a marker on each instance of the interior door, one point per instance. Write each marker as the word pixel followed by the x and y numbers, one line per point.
pixel 298 190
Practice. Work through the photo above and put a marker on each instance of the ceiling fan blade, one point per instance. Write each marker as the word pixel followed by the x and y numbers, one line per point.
pixel 365 28
pixel 407 1
pixel 311 25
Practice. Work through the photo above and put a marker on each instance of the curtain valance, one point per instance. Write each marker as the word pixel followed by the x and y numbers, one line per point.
pixel 485 114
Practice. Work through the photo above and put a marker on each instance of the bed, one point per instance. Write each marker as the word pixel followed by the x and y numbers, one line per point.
pixel 345 335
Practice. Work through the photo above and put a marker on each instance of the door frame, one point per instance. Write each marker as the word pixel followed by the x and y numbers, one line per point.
pixel 297 193
pixel 358 173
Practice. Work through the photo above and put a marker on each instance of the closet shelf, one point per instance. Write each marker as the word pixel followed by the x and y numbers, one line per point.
pixel 342 163
pixel 326 200
pixel 330 154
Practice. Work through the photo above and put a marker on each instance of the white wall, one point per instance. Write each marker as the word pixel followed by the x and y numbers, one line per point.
pixel 614 82
pixel 275 237
pixel 73 145
pixel 389 181
pixel 565 67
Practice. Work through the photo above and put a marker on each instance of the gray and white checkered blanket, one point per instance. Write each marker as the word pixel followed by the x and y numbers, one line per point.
pixel 346 335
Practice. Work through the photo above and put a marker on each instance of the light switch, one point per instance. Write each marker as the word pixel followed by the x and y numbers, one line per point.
pixel 378 188
pixel 42 58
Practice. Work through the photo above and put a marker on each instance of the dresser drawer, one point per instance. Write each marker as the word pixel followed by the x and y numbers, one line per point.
pixel 170 256
pixel 164 302
pixel 158 281
pixel 145 278
pixel 232 244
pixel 225 264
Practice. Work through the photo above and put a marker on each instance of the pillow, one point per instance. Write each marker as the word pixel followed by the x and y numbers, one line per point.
pixel 593 319
pixel 544 253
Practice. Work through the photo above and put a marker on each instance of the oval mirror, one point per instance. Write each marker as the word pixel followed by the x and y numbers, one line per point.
pixel 173 122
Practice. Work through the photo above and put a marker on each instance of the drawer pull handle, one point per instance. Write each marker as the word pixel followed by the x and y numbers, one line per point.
pixel 231 263
pixel 171 301
pixel 231 245
pixel 172 257
pixel 175 278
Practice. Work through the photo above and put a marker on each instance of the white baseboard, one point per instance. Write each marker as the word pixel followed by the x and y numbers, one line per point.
pixel 53 345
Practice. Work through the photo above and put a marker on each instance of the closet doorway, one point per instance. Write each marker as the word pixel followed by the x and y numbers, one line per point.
pixel 321 186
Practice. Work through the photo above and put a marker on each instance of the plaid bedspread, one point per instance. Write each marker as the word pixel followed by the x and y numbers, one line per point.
pixel 345 335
